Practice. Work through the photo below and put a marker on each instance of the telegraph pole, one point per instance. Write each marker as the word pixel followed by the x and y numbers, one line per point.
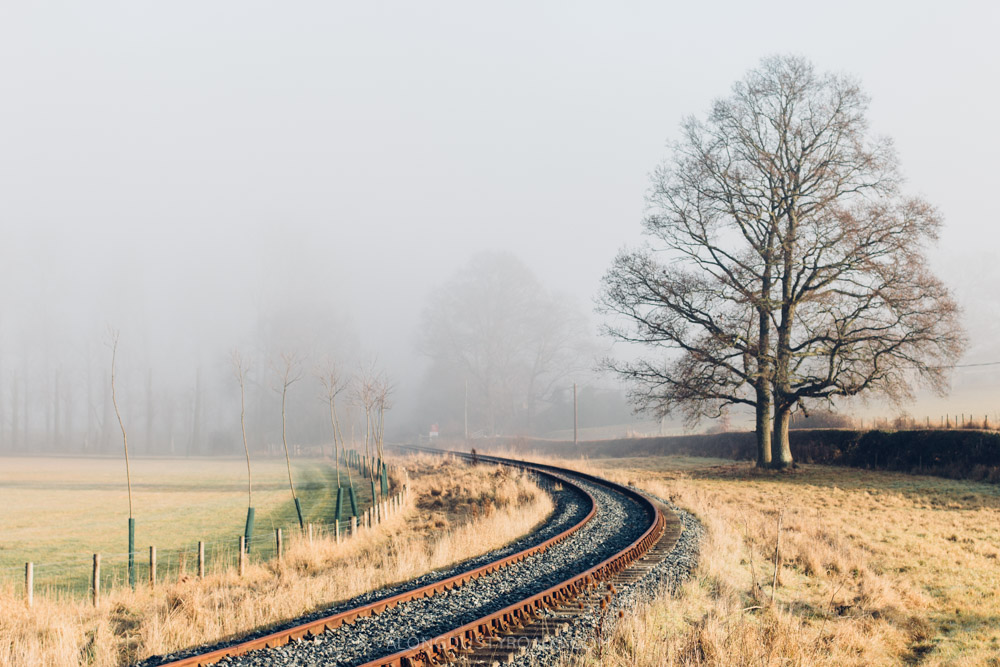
pixel 466 409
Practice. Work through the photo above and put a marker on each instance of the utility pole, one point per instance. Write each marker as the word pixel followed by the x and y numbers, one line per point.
pixel 575 438
pixel 466 409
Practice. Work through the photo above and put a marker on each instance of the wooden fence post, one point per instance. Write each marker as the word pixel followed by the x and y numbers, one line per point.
pixel 243 555
pixel 97 579
pixel 29 583
pixel 201 560
pixel 152 566
pixel 310 534
pixel 277 541
pixel 354 526
pixel 336 531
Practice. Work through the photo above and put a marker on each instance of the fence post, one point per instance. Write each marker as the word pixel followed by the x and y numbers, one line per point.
pixel 310 534
pixel 97 579
pixel 201 560
pixel 243 557
pixel 354 526
pixel 277 541
pixel 152 566
pixel 29 582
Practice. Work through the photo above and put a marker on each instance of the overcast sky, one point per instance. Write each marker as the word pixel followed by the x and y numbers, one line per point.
pixel 167 162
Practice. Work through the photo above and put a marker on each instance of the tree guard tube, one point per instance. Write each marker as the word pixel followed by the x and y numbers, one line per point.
pixel 248 531
pixel 339 511
pixel 354 501
pixel 131 552
pixel 298 510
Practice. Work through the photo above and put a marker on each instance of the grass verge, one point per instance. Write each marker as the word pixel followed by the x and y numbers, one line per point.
pixel 435 530
pixel 873 568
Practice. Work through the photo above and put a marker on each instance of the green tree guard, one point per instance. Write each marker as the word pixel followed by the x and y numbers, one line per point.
pixel 385 480
pixel 354 502
pixel 374 494
pixel 131 552
pixel 248 532
pixel 339 512
pixel 298 510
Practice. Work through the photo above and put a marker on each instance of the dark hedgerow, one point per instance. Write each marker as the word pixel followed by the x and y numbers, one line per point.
pixel 959 454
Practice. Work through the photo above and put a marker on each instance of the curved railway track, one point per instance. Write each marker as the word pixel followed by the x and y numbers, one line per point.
pixel 485 612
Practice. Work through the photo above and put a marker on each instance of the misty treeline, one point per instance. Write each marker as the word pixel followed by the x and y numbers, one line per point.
pixel 509 349
pixel 55 391
pixel 492 337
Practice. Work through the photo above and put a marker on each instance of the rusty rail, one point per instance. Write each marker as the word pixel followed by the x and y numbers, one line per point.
pixel 446 646
pixel 315 627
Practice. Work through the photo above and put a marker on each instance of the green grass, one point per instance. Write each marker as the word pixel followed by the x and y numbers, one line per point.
pixel 58 512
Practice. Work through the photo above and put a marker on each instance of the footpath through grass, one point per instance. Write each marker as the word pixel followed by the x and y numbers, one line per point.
pixel 58 512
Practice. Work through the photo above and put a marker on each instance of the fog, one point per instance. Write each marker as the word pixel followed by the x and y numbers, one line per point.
pixel 305 179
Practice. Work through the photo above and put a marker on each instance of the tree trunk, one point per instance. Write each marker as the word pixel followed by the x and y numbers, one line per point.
pixel 763 425
pixel 55 413
pixel 150 407
pixel 783 401
pixel 782 452
pixel 15 432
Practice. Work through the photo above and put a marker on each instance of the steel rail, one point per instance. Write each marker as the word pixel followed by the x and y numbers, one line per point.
pixel 317 626
pixel 447 646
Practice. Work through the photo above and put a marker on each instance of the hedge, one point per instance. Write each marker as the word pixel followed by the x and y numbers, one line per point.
pixel 959 454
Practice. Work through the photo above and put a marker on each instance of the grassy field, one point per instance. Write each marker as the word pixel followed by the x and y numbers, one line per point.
pixel 874 568
pixel 453 511
pixel 57 512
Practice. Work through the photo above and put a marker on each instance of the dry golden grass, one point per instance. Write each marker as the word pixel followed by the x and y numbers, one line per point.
pixel 874 569
pixel 129 626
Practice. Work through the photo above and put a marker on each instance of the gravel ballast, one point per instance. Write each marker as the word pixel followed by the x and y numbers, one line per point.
pixel 663 579
pixel 570 508
pixel 618 523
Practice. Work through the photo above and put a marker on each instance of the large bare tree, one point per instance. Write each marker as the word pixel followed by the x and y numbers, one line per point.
pixel 787 265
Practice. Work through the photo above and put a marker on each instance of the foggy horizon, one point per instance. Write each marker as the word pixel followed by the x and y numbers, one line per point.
pixel 210 177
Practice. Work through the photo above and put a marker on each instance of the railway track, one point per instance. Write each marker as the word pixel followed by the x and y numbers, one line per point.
pixel 488 610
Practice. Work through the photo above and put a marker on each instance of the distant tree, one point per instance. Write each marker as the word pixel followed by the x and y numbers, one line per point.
pixel 788 267
pixel 334 383
pixel 371 390
pixel 288 372
pixel 494 326
pixel 113 336
pixel 241 368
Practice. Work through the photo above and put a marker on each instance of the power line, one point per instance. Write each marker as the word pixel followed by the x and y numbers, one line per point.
pixel 986 363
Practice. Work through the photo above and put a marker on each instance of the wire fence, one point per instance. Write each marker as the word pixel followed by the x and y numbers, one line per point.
pixel 72 577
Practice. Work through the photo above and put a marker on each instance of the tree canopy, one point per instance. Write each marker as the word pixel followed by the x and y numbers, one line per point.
pixel 785 266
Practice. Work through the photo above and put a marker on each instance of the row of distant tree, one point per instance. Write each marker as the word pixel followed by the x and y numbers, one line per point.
pixel 502 353
pixel 57 397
